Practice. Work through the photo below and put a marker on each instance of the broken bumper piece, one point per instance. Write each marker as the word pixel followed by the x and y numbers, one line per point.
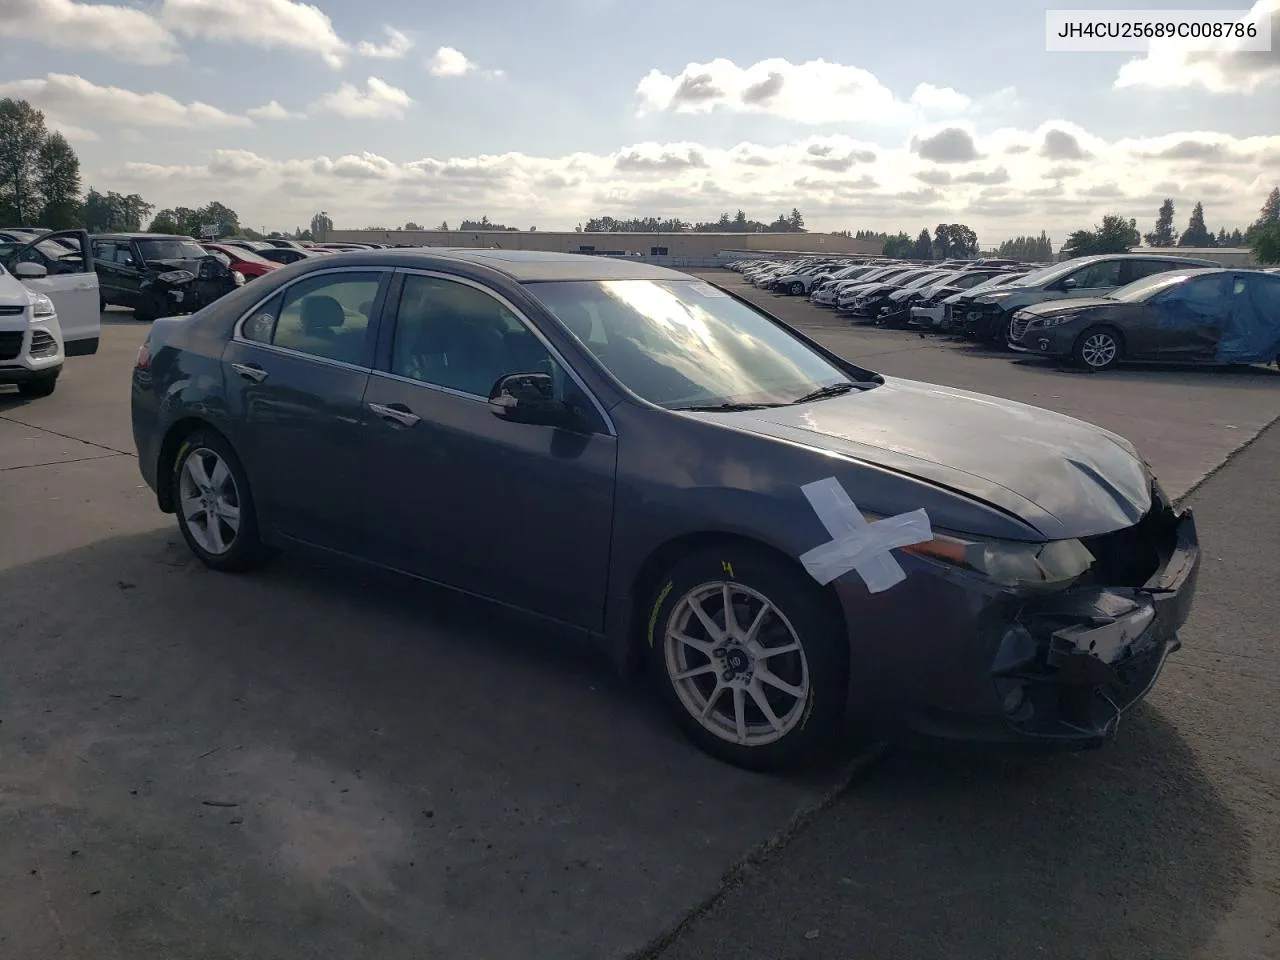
pixel 1073 663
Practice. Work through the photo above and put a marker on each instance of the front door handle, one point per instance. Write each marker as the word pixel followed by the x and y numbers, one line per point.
pixel 250 371
pixel 396 412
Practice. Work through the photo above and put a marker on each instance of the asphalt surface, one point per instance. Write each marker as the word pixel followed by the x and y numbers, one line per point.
pixel 315 762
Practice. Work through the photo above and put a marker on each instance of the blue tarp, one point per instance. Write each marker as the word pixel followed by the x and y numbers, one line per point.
pixel 1243 310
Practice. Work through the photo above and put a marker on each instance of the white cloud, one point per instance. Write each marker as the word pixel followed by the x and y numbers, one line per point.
pixel 812 92
pixel 837 182
pixel 377 101
pixel 273 111
pixel 1166 66
pixel 941 99
pixel 70 99
pixel 125 33
pixel 397 45
pixel 268 24
pixel 448 62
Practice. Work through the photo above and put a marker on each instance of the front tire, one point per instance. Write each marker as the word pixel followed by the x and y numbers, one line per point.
pixel 1097 349
pixel 765 686
pixel 215 505
pixel 797 288
pixel 41 387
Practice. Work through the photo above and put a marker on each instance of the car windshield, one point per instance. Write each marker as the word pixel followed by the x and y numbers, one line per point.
pixel 1147 287
pixel 171 249
pixel 248 256
pixel 1047 274
pixel 685 343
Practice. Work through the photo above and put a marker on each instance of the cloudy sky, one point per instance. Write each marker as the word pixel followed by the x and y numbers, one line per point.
pixel 547 112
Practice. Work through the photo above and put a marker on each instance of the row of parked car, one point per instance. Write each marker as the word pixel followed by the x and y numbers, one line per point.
pixel 1096 311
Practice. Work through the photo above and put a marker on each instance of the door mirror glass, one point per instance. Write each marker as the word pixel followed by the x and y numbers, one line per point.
pixel 528 398
pixel 1070 283
pixel 30 271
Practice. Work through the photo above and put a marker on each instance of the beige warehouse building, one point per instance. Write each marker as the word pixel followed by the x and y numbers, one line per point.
pixel 694 246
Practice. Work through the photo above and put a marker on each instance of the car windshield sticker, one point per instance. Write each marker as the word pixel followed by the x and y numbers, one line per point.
pixel 856 544
pixel 706 290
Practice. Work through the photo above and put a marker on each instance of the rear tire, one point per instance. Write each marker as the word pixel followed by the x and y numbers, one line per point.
pixel 38 388
pixel 215 505
pixel 770 691
pixel 1098 348
pixel 797 288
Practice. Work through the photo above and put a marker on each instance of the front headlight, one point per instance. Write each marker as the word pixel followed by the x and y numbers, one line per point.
pixel 1055 319
pixel 1011 563
pixel 41 306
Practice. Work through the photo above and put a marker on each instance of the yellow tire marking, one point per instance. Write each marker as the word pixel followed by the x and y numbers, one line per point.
pixel 727 567
pixel 182 450
pixel 653 616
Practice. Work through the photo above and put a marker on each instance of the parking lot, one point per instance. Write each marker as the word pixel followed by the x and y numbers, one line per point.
pixel 315 761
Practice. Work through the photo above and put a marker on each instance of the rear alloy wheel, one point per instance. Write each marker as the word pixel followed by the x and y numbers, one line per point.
pixel 40 387
pixel 1097 349
pixel 797 287
pixel 749 657
pixel 215 506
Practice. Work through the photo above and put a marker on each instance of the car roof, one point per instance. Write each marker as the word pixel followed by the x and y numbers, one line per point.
pixel 522 266
pixel 141 236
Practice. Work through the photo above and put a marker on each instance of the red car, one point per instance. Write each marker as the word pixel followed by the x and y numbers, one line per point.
pixel 245 261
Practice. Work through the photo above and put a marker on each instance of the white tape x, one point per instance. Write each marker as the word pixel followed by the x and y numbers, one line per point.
pixel 856 544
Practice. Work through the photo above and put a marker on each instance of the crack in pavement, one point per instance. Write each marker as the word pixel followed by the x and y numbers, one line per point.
pixel 58 463
pixel 66 436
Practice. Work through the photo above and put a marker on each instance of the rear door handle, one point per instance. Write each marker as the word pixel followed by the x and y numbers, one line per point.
pixel 396 412
pixel 250 371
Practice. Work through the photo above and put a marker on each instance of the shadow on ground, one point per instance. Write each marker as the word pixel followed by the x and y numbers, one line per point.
pixel 1122 852
pixel 310 761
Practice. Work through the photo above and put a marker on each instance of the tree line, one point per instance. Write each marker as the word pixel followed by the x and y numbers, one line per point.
pixel 1117 234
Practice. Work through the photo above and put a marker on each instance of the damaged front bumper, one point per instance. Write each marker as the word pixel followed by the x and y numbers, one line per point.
pixel 1071 664
pixel 985 665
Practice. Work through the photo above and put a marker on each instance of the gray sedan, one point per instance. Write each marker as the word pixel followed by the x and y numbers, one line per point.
pixel 789 541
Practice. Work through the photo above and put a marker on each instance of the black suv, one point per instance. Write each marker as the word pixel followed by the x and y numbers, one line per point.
pixel 158 275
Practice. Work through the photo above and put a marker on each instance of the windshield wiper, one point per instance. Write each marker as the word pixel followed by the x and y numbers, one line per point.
pixel 727 407
pixel 834 390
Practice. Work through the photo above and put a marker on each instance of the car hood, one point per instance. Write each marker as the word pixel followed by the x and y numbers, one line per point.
pixel 1070 305
pixel 1064 477
pixel 13 292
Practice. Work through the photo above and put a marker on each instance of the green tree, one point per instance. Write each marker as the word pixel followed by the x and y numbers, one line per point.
pixel 1114 235
pixel 1235 239
pixel 795 221
pixel 923 249
pixel 321 224
pixel 22 133
pixel 1196 234
pixel 412 226
pixel 1162 235
pixel 58 184
pixel 740 222
pixel 113 212
pixel 1269 214
pixel 1265 242
pixel 899 245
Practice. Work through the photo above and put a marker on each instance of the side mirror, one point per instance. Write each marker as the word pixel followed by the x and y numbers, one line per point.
pixel 30 271
pixel 528 398
pixel 1070 283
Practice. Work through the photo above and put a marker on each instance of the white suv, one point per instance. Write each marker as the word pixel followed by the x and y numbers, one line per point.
pixel 49 309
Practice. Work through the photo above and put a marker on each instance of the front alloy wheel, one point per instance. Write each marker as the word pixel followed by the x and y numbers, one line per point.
pixel 751 656
pixel 736 663
pixel 1097 349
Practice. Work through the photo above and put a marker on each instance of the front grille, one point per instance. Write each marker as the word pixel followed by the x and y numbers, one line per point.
pixel 10 344
pixel 43 344
pixel 11 310
pixel 1129 557
pixel 1018 327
